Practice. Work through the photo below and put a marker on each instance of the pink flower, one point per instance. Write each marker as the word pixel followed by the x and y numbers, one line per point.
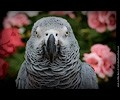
pixel 101 59
pixel 102 20
pixel 101 28
pixel 29 13
pixel 62 13
pixel 10 39
pixel 111 20
pixel 94 60
pixel 18 20
pixel 100 50
pixel 3 68
pixel 102 16
pixel 93 21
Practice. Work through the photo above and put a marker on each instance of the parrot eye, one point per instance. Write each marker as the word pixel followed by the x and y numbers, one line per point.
pixel 36 32
pixel 56 34
pixel 66 33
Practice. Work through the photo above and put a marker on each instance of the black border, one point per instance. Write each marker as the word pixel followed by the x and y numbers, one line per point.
pixel 75 5
pixel 59 5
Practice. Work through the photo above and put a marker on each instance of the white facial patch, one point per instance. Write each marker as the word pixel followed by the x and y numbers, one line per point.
pixel 38 43
pixel 38 29
pixel 54 32
pixel 65 28
pixel 59 36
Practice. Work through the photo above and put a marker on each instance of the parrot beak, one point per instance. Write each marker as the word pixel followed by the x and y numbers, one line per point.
pixel 51 47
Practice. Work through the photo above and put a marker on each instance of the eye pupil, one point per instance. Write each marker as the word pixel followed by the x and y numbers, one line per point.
pixel 56 34
pixel 66 32
pixel 36 32
pixel 46 34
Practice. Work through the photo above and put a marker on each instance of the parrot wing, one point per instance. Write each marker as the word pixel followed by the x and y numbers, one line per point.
pixel 21 78
pixel 88 77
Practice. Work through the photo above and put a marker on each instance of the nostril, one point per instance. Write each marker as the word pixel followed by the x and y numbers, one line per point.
pixel 46 34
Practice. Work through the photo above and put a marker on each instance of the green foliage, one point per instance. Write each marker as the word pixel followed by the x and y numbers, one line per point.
pixel 85 36
pixel 15 62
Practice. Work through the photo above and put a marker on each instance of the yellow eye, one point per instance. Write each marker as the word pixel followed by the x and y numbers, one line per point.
pixel 66 33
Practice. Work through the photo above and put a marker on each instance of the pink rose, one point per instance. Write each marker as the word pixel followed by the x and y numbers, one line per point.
pixel 102 16
pixel 3 68
pixel 29 13
pixel 111 20
pixel 18 20
pixel 101 59
pixel 104 52
pixel 10 39
pixel 93 21
pixel 94 60
pixel 62 13
pixel 101 28
pixel 102 20
pixel 100 50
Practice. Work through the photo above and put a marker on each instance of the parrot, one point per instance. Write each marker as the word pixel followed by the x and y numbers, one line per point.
pixel 52 59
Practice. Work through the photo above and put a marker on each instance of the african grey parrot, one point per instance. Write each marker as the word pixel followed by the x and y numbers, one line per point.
pixel 52 59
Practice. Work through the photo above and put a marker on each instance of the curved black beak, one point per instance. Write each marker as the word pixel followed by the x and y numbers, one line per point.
pixel 51 47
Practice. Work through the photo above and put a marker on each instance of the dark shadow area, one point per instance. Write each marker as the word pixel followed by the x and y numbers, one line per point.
pixel 7 84
pixel 2 15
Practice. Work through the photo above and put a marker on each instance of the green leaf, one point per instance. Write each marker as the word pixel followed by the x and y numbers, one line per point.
pixel 15 62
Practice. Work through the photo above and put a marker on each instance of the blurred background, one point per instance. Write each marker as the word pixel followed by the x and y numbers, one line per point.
pixel 95 32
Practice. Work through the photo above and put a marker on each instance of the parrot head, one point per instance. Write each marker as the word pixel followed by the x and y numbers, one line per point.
pixel 52 34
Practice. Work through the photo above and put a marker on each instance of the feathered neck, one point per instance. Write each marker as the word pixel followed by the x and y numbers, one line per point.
pixel 62 73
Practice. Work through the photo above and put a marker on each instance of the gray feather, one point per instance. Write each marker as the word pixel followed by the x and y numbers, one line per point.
pixel 65 72
pixel 88 77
